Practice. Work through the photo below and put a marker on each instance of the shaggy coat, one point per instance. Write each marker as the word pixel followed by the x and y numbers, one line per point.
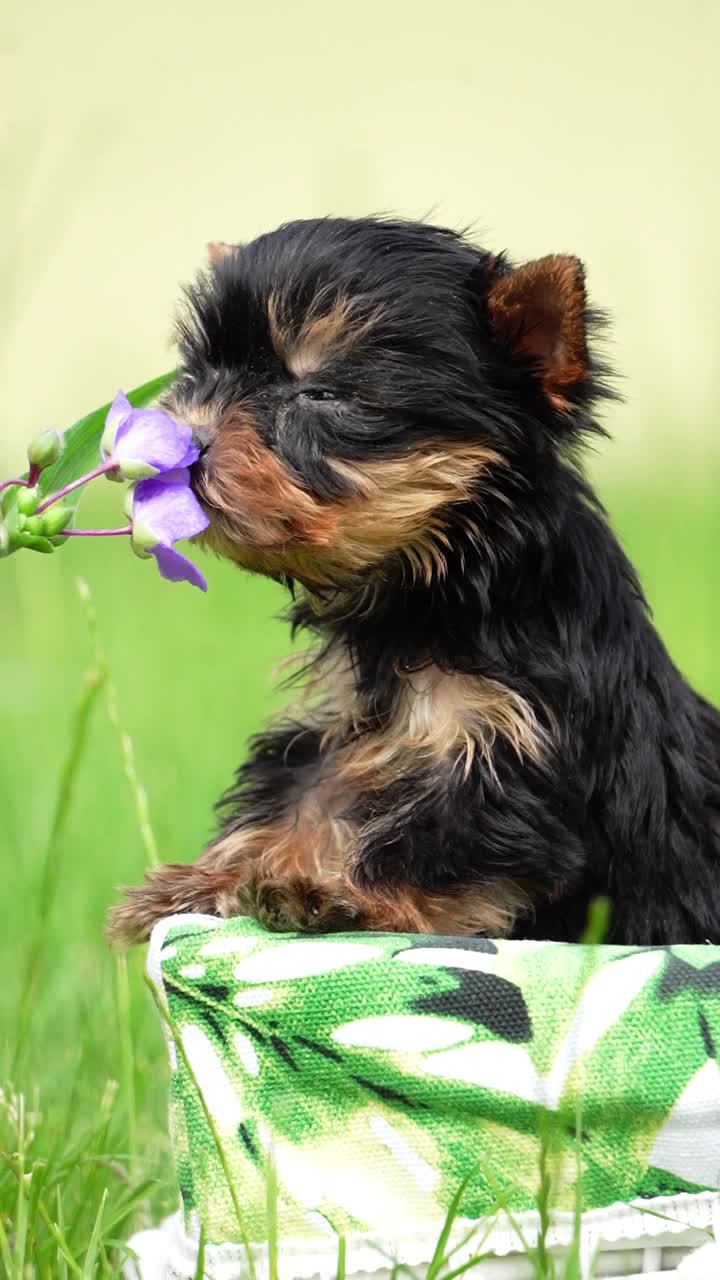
pixel 492 731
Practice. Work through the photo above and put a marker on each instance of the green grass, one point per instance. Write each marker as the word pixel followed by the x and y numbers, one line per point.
pixel 84 1154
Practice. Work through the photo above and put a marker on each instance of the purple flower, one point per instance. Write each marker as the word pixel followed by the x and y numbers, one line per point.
pixel 145 442
pixel 165 509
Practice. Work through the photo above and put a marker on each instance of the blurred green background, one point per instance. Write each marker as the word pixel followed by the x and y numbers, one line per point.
pixel 133 134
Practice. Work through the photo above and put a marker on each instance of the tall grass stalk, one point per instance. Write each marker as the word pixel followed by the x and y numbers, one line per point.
pixel 271 1202
pixel 64 1259
pixel 200 1264
pixel 544 1263
pixel 127 1054
pixel 177 1038
pixel 127 750
pixel 341 1255
pixel 435 1265
pixel 573 1264
pixel 92 684
pixel 147 835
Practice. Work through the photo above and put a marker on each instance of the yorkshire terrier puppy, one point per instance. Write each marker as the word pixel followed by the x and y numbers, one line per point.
pixel 493 732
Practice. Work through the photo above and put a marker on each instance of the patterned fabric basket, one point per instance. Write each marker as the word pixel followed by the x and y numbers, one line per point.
pixel 375 1075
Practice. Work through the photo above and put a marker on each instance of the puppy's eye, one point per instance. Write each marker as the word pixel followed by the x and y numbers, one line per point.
pixel 318 393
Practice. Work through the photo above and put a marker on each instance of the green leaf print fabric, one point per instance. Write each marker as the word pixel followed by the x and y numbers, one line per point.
pixel 376 1071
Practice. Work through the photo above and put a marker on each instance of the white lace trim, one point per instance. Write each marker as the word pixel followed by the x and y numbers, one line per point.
pixel 685 1220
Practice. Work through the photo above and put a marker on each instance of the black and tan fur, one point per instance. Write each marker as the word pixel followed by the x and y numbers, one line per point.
pixel 492 731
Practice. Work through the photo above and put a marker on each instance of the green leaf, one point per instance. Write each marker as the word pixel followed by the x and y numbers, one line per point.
pixel 81 452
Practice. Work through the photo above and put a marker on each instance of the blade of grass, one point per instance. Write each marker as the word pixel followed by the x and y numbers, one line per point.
pixel 655 1213
pixel 271 1202
pixel 5 1254
pixel 94 1145
pixel 128 1203
pixel 177 1038
pixel 501 1202
pixel 127 1055
pixel 200 1264
pixel 597 924
pixel 21 1226
pixel 62 1261
pixel 91 686
pixel 71 1112
pixel 94 1242
pixel 21 1205
pixel 61 1243
pixel 436 1261
pixel 572 1268
pixel 149 842
pixel 465 1240
pixel 127 750
pixel 465 1266
pixel 594 934
pixel 36 1189
pixel 341 1256
pixel 544 1262
pixel 399 1268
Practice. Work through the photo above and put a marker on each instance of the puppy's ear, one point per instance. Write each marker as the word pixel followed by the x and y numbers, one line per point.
pixel 539 309
pixel 218 249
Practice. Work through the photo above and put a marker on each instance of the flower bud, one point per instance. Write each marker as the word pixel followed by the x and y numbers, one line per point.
pixel 107 440
pixel 55 519
pixel 4 541
pixel 35 525
pixel 143 539
pixel 27 500
pixel 136 469
pixel 35 543
pixel 44 449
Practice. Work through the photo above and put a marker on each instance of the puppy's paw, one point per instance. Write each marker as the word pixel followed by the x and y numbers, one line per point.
pixel 302 905
pixel 171 889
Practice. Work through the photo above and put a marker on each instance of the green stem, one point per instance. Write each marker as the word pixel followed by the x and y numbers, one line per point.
pixel 102 470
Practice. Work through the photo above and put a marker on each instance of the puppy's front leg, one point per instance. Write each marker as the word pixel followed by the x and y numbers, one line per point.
pixel 280 856
pixel 211 886
pixel 466 855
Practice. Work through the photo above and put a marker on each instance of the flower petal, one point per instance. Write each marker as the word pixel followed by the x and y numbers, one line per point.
pixel 151 438
pixel 118 413
pixel 191 456
pixel 177 568
pixel 178 475
pixel 166 505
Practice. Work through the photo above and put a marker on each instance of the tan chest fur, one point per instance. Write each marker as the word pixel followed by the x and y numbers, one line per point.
pixel 437 719
pixel 438 724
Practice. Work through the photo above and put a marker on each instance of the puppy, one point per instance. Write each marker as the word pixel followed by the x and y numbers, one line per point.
pixel 493 732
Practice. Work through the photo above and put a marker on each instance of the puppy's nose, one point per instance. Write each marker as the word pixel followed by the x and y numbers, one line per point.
pixel 201 438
